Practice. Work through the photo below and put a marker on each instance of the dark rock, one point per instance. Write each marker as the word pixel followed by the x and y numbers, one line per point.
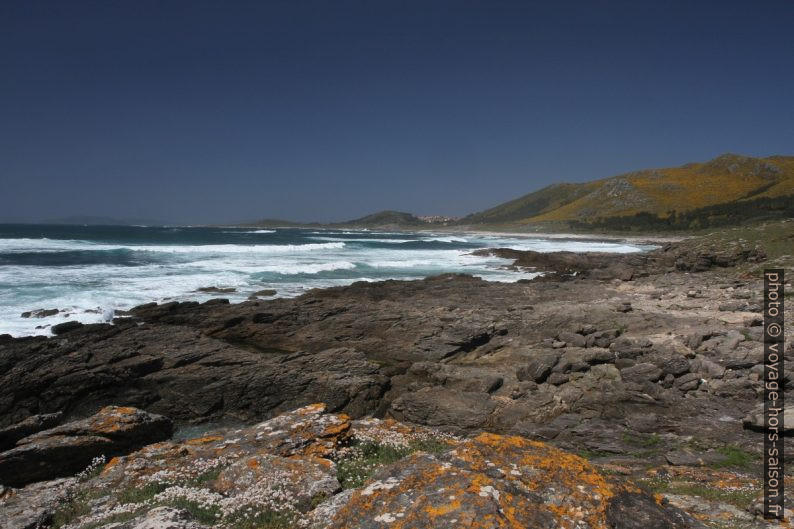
pixel 40 313
pixel 674 365
pixel 687 382
pixel 605 338
pixel 631 510
pixel 538 367
pixel 557 379
pixel 625 347
pixel 70 448
pixel 216 290
pixel 63 328
pixel 641 373
pixel 692 459
pixel 36 423
pixel 706 367
pixel 216 301
pixel 623 363
pixel 447 409
pixel 572 339
pixel 267 292
pixel 462 378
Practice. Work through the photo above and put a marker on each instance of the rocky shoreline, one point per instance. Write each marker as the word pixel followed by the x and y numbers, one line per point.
pixel 647 365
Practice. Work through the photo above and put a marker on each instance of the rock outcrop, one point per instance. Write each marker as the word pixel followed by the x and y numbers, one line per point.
pixel 657 368
pixel 69 448
pixel 308 468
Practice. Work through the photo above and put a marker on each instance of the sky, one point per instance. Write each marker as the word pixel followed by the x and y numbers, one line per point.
pixel 208 112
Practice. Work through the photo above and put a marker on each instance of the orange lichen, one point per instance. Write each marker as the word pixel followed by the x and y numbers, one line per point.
pixel 204 440
pixel 465 489
pixel 110 464
pixel 311 409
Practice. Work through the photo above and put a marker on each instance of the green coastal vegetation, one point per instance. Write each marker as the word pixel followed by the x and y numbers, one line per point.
pixel 729 190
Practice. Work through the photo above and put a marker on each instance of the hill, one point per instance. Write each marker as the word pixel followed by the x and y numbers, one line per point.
pixel 385 218
pixel 728 179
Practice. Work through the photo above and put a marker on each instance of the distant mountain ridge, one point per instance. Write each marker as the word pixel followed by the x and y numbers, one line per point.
pixel 727 179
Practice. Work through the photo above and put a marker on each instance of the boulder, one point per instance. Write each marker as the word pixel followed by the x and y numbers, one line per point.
pixel 644 372
pixel 67 326
pixel 625 347
pixel 70 448
pixel 572 339
pixel 706 367
pixel 674 365
pixel 687 382
pixel 33 424
pixel 40 313
pixel 538 367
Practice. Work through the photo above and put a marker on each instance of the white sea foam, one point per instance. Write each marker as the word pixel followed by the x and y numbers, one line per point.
pixel 43 245
pixel 445 239
pixel 89 292
pixel 386 241
pixel 293 268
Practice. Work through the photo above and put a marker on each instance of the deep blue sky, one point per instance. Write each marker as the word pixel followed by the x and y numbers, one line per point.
pixel 191 111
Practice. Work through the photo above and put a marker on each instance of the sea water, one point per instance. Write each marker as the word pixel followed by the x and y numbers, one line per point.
pixel 90 272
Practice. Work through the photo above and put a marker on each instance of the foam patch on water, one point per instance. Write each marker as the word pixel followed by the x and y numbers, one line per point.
pixel 89 289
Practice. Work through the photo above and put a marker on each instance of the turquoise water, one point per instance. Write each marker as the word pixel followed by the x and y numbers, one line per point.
pixel 88 272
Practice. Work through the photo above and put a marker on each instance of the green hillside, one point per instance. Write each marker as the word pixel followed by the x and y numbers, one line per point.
pixel 727 179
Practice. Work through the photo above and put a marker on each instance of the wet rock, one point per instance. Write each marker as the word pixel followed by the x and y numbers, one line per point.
pixel 40 313
pixel 267 292
pixel 70 448
pixel 216 290
pixel 65 327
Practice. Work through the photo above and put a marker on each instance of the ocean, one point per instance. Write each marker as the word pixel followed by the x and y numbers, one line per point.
pixel 90 272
